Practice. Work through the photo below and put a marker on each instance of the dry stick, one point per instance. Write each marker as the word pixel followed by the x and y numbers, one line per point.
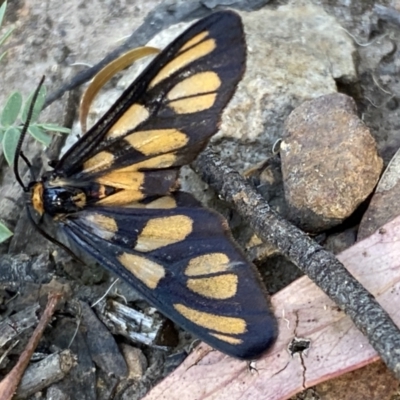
pixel 10 383
pixel 44 373
pixel 320 265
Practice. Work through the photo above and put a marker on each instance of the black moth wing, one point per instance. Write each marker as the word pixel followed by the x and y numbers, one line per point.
pixel 172 109
pixel 184 262
pixel 179 256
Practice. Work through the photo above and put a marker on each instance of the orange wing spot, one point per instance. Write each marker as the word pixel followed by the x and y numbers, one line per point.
pixel 131 180
pixel 121 198
pixel 219 323
pixel 207 264
pixel 99 162
pixel 37 198
pixel 194 104
pixel 217 287
pixel 135 115
pixel 157 141
pixel 198 38
pixel 182 60
pixel 160 232
pixel 147 271
pixel 226 338
pixel 203 82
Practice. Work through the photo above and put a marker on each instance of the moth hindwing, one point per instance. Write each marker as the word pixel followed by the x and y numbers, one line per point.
pixel 113 196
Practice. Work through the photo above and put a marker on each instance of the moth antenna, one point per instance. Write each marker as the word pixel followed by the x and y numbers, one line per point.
pixel 27 162
pixel 18 152
pixel 29 165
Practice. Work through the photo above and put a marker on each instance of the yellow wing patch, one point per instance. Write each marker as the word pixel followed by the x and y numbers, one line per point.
pixel 157 141
pixel 196 39
pixel 147 271
pixel 158 162
pixel 164 202
pixel 217 323
pixel 207 264
pixel 99 162
pixel 131 180
pixel 135 115
pixel 105 226
pixel 195 86
pixel 182 60
pixel 160 232
pixel 200 83
pixel 216 287
pixel 121 198
pixel 228 339
pixel 194 104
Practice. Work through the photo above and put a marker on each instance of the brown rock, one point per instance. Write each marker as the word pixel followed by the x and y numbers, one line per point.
pixel 329 162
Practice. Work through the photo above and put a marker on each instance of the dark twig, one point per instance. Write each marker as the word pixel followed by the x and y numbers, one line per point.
pixel 321 266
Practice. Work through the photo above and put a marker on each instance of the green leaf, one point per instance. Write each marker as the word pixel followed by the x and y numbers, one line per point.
pixel 5 233
pixel 55 128
pixel 39 134
pixel 37 107
pixel 2 11
pixel 11 109
pixel 2 55
pixel 6 36
pixel 10 141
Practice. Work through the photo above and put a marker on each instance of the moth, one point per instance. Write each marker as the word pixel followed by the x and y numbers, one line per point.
pixel 114 195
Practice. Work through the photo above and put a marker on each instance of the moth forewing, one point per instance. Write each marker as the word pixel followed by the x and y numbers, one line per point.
pixel 113 196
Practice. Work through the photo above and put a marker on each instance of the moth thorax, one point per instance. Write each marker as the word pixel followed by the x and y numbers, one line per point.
pixel 61 199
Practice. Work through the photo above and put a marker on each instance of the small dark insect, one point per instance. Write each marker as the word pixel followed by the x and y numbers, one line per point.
pixel 113 198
